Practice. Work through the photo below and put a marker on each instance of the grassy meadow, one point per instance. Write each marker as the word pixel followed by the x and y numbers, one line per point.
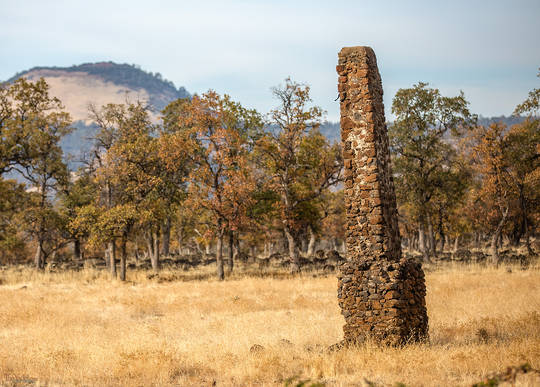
pixel 81 328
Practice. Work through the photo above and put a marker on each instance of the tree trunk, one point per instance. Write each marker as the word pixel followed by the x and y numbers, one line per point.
pixel 440 231
pixel 110 248
pixel 167 236
pixel 112 257
pixel 456 246
pixel 155 256
pixel 219 254
pixel 107 258
pixel 236 246
pixel 150 245
pixel 527 238
pixel 431 235
pixel 525 222
pixel 293 251
pixel 198 246
pixel 77 249
pixel 231 252
pixel 123 258
pixel 180 238
pixel 284 244
pixel 423 243
pixel 414 242
pixel 207 248
pixel 517 233
pixel 496 237
pixel 445 241
pixel 312 241
pixel 38 259
pixel 494 250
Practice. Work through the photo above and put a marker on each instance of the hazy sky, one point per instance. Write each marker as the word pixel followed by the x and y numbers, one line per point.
pixel 488 49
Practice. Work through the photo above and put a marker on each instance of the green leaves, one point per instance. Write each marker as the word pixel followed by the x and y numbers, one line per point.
pixel 103 225
pixel 429 176
pixel 32 124
pixel 298 162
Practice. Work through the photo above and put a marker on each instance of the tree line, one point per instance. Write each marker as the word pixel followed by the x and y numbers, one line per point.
pixel 214 175
pixel 460 181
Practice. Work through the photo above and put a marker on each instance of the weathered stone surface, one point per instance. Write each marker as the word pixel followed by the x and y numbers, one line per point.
pixel 381 294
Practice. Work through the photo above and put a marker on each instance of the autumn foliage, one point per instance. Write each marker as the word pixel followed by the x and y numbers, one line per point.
pixel 216 180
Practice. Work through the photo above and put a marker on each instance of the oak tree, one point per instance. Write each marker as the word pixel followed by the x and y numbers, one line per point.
pixel 299 161
pixel 33 130
pixel 423 155
pixel 218 133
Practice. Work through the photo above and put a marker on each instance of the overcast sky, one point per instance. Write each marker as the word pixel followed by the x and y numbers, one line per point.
pixel 488 49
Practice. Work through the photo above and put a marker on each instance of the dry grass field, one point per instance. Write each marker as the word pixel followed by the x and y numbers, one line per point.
pixel 79 328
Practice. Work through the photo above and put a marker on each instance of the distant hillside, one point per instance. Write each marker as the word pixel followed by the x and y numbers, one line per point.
pixel 331 130
pixel 508 121
pixel 78 142
pixel 104 82
pixel 99 84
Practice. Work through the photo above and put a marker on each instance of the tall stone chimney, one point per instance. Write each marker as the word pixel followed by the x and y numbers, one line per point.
pixel 381 294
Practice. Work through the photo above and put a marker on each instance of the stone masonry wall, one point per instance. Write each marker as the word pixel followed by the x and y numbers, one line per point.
pixel 381 294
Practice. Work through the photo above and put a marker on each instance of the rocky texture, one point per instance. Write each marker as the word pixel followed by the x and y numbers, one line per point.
pixel 381 294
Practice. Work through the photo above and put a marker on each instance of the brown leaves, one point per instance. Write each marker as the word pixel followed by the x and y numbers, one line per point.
pixel 215 134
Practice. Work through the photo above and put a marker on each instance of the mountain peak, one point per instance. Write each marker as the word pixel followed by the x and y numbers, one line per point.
pixel 104 82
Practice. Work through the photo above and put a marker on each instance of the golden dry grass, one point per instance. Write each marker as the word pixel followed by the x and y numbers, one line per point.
pixel 79 328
